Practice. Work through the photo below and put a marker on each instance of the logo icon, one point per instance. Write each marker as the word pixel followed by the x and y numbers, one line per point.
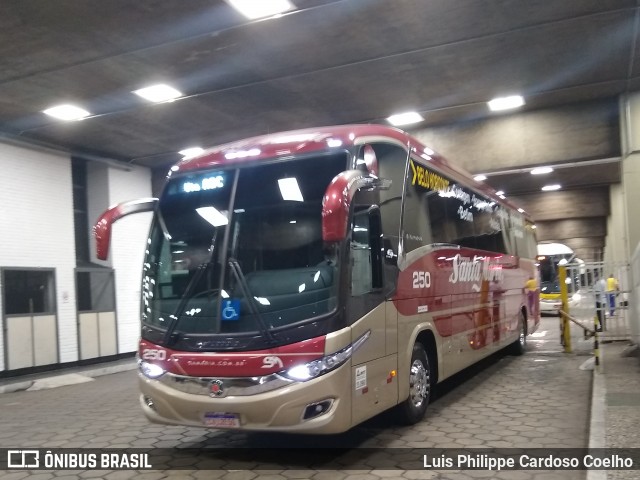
pixel 272 361
pixel 216 388
pixel 23 459
pixel 230 309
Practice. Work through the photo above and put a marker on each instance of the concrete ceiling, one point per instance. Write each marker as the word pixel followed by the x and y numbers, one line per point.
pixel 327 62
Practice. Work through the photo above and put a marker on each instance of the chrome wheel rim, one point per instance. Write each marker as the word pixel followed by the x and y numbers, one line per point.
pixel 418 383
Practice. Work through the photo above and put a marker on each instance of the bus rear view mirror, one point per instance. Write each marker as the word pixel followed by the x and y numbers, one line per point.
pixel 102 228
pixel 336 203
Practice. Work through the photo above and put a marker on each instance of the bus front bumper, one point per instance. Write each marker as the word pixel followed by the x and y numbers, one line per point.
pixel 282 409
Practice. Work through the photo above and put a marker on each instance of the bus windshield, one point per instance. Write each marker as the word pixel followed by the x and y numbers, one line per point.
pixel 240 251
pixel 549 287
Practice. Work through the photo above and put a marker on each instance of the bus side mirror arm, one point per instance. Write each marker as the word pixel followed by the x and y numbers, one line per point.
pixel 102 228
pixel 336 203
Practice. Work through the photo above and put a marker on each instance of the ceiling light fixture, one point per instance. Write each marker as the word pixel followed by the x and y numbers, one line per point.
pixel 191 152
pixel 67 112
pixel 541 170
pixel 549 188
pixel 405 118
pixel 158 93
pixel 480 178
pixel 521 210
pixel 254 9
pixel 505 103
pixel 500 192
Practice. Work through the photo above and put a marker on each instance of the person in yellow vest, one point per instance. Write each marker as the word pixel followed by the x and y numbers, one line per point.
pixel 531 287
pixel 612 292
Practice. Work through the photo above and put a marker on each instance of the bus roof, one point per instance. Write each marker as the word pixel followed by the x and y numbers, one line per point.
pixel 309 140
pixel 283 144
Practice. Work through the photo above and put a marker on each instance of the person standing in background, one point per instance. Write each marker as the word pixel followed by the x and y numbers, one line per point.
pixel 612 293
pixel 531 287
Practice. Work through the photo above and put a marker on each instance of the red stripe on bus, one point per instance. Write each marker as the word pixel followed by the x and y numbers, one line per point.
pixel 234 364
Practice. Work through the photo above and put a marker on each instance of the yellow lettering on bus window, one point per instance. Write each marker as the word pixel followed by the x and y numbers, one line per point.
pixel 426 179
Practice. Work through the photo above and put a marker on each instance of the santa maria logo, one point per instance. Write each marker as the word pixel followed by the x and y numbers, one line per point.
pixel 475 270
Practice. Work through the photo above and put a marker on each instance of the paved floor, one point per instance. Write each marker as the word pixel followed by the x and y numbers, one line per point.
pixel 541 399
pixel 620 378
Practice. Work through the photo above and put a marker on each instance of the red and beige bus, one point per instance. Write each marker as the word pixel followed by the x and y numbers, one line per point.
pixel 308 280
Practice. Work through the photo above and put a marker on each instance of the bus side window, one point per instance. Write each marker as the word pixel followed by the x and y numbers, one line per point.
pixel 417 221
pixel 489 234
pixel 366 252
pixel 392 161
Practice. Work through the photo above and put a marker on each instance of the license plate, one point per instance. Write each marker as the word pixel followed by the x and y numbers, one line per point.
pixel 221 420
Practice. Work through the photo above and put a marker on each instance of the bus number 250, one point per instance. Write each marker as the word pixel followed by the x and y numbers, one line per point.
pixel 154 354
pixel 421 279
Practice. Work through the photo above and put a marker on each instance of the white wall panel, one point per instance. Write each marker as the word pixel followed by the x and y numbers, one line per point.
pixel 36 221
pixel 20 339
pixel 45 351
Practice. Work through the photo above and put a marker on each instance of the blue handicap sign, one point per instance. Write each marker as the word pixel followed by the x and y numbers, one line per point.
pixel 230 310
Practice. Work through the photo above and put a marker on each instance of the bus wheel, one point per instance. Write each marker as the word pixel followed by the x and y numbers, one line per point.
pixel 520 345
pixel 412 410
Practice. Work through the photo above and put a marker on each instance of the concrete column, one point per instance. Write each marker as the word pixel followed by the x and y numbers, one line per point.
pixel 630 136
pixel 630 133
pixel 615 249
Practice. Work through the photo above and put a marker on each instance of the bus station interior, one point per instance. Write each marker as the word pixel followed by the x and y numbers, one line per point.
pixel 324 62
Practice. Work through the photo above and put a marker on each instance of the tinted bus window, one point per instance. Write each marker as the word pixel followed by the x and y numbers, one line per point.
pixel 438 210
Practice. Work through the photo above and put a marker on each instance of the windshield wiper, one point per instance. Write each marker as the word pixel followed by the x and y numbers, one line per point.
pixel 240 278
pixel 186 296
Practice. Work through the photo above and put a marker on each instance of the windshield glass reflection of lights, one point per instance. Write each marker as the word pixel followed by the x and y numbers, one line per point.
pixel 290 190
pixel 213 216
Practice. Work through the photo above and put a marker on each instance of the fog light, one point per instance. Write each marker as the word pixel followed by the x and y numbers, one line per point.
pixel 148 401
pixel 314 410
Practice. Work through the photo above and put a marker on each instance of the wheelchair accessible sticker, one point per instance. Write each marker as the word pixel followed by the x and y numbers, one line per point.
pixel 230 310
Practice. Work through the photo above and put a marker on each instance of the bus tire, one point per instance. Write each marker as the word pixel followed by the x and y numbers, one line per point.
pixel 413 409
pixel 520 345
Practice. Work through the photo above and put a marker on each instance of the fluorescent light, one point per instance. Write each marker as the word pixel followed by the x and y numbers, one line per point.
pixel 521 210
pixel 253 9
pixel 158 93
pixel 480 178
pixel 549 188
pixel 505 103
pixel 541 170
pixel 405 118
pixel 191 152
pixel 502 196
pixel 212 215
pixel 499 192
pixel 67 112
pixel 290 190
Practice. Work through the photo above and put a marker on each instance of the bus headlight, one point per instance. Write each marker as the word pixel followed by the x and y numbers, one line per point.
pixel 315 368
pixel 150 370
